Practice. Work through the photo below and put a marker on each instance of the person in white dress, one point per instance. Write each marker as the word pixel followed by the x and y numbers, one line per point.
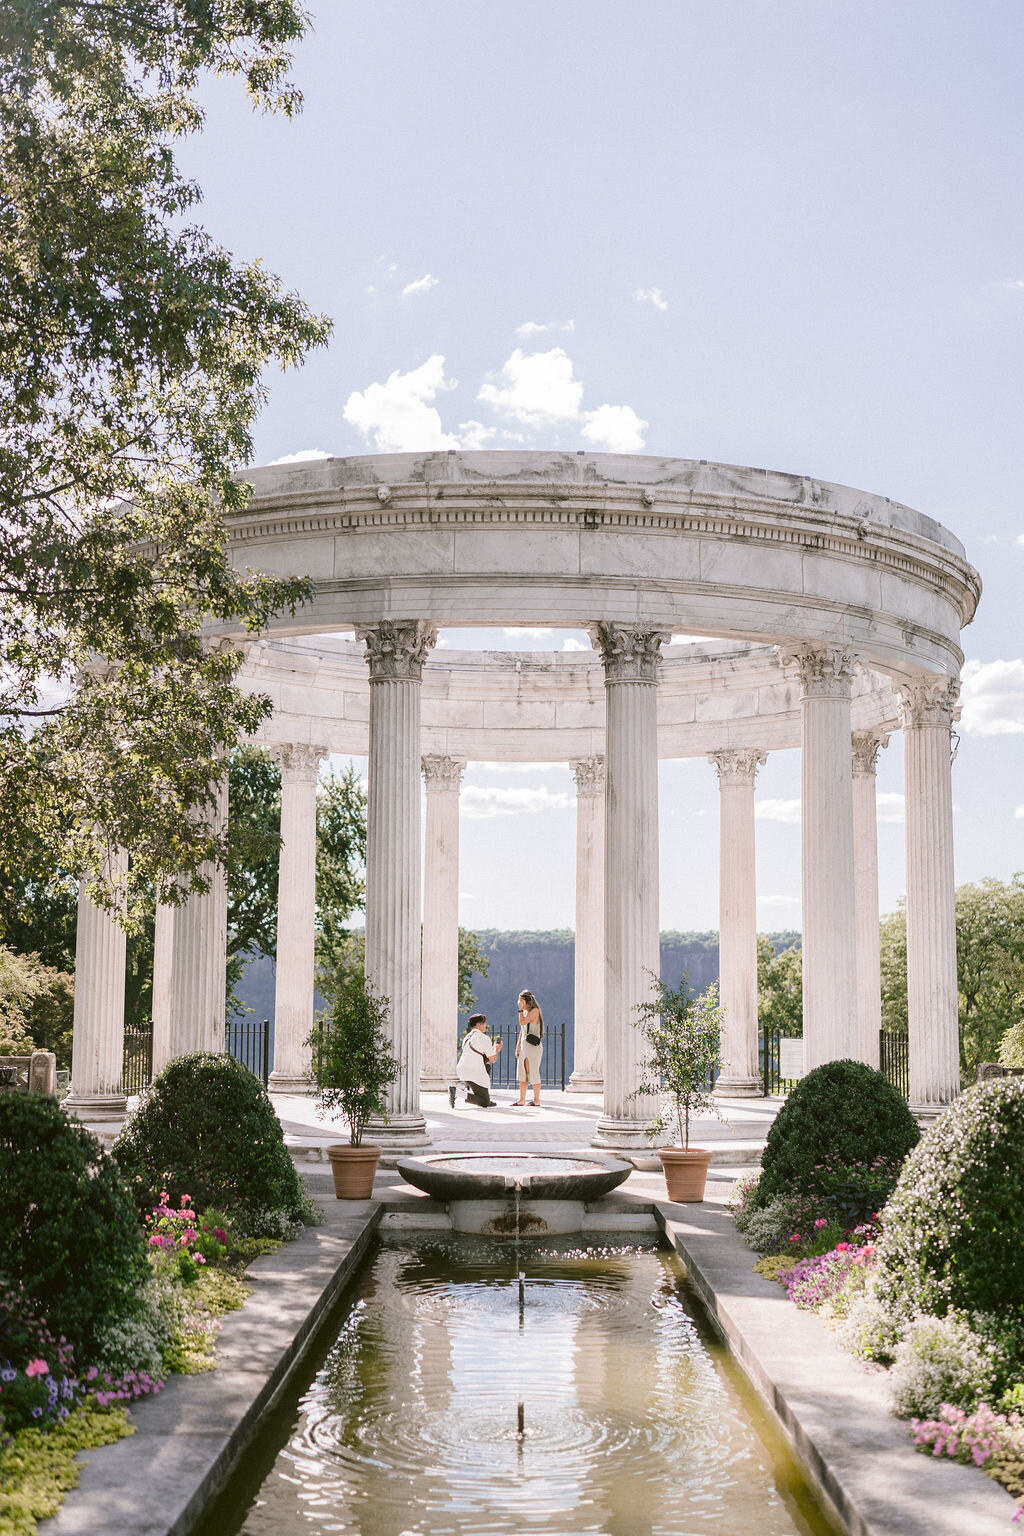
pixel 529 1049
pixel 477 1050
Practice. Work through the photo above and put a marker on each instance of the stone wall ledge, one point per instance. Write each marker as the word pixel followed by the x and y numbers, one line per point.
pixel 834 1409
pixel 189 1439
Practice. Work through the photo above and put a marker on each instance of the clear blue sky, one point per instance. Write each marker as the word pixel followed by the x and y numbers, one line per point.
pixel 785 234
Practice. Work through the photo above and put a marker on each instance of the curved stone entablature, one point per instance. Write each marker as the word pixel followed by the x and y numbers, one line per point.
pixel 572 540
pixel 539 706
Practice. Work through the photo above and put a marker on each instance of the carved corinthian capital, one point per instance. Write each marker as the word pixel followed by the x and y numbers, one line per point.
pixel 738 765
pixel 589 775
pixel 443 775
pixel 929 701
pixel 397 648
pixel 630 652
pixel 823 671
pixel 865 746
pixel 299 759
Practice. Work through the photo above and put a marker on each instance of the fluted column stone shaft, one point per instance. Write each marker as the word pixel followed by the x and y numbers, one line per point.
pixel 199 988
pixel 737 929
pixel 97 1052
pixel 296 917
pixel 588 1032
pixel 928 711
pixel 829 907
pixel 396 650
pixel 163 985
pixel 866 745
pixel 632 951
pixel 440 1002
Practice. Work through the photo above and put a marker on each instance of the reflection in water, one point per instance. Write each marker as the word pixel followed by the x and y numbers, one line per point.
pixel 412 1427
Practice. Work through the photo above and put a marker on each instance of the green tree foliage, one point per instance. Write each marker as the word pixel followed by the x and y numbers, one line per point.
pixel 780 993
pixel 341 955
pixel 353 1066
pixel 132 357
pixel 682 1035
pixel 472 962
pixel 990 967
pixel 36 1007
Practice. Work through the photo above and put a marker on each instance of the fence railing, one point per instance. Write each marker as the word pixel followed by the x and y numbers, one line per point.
pixel 552 1062
pixel 248 1041
pixel 772 1066
pixel 137 1061
pixel 894 1060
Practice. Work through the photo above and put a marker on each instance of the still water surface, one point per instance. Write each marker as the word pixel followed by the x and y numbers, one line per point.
pixel 633 1423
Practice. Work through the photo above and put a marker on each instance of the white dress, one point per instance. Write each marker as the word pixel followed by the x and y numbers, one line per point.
pixel 472 1066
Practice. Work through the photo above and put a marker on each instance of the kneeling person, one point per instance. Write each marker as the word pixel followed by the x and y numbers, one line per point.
pixel 478 1049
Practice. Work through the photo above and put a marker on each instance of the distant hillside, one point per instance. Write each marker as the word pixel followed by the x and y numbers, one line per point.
pixel 540 961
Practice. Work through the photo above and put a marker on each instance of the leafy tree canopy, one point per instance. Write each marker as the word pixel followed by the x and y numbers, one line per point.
pixel 132 353
pixel 780 993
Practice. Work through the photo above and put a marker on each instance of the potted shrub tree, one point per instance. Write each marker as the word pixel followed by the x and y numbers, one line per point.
pixel 352 1068
pixel 682 1035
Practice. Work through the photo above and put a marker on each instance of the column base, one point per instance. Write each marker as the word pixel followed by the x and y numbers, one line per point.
pixel 290 1082
pixel 400 1132
pixel 624 1135
pixel 739 1088
pixel 96 1106
pixel 927 1114
pixel 585 1082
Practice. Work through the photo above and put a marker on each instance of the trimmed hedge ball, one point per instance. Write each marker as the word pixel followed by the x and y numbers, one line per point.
pixel 952 1240
pixel 207 1129
pixel 69 1229
pixel 841 1113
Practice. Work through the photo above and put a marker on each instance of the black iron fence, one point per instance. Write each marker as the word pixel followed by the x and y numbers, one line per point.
pixel 248 1041
pixel 137 1061
pixel 552 1062
pixel 778 1073
pixel 894 1059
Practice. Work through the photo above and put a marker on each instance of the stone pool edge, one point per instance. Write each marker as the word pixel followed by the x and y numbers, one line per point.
pixel 858 1458
pixel 189 1440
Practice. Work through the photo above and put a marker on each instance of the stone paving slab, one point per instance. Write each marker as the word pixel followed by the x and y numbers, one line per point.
pixel 834 1407
pixel 189 1438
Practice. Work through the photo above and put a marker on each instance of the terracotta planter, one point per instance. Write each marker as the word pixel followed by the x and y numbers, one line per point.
pixel 685 1172
pixel 354 1169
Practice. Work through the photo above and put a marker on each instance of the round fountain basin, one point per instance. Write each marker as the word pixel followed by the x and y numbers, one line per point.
pixel 515 1194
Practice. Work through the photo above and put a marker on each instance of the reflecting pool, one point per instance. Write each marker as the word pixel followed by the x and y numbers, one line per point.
pixel 478 1388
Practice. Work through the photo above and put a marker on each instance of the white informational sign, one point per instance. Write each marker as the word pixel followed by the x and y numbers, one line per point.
pixel 791 1059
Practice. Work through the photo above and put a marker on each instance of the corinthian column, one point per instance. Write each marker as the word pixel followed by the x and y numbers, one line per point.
pixel 588 1030
pixel 296 917
pixel 737 928
pixel 632 953
pixel 866 745
pixel 928 709
pixel 443 777
pixel 396 650
pixel 829 908
pixel 199 986
pixel 97 1050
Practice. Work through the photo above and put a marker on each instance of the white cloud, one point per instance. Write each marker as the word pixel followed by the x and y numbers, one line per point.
pixel 536 327
pixel 1015 283
pixel 691 639
pixel 572 644
pixel 616 428
pixel 786 811
pixel 420 285
pixel 303 453
pixel 512 767
pixel 992 698
pixel 651 296
pixel 516 631
pixel 474 435
pixel 399 416
pixel 1018 814
pixel 778 901
pixel 890 807
pixel 536 388
pixel 1020 538
pixel 480 803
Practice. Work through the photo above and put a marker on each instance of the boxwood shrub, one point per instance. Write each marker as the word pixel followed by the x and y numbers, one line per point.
pixel 842 1115
pixel 952 1228
pixel 206 1128
pixel 69 1230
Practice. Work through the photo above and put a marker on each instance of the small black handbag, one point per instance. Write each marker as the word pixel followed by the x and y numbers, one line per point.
pixel 533 1039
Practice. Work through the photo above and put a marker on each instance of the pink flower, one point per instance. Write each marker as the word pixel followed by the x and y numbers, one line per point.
pixel 821 1222
pixel 842 1247
pixel 37 1368
pixel 199 1258
pixel 795 1237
